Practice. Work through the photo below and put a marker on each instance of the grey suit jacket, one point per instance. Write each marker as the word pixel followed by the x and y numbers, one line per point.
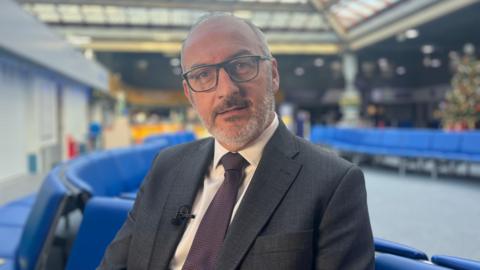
pixel 304 209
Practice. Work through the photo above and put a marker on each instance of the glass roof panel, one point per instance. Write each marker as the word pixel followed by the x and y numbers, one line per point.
pixel 158 16
pixel 70 13
pixel 137 16
pixel 261 18
pixel 279 20
pixel 93 14
pixel 115 15
pixel 352 12
pixel 181 17
pixel 298 20
pixel 315 22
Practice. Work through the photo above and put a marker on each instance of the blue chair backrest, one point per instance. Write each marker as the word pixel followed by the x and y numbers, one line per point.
pixel 393 138
pixel 470 143
pixel 102 218
pixel 129 163
pixel 41 224
pixel 446 141
pixel 456 262
pixel 392 262
pixel 373 137
pixel 385 246
pixel 418 139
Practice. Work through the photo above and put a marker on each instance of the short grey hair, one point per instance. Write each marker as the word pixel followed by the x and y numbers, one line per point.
pixel 260 35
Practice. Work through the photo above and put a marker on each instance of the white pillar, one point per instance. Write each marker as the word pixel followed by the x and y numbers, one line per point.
pixel 350 100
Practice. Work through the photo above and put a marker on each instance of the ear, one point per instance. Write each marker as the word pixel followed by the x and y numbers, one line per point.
pixel 275 76
pixel 186 92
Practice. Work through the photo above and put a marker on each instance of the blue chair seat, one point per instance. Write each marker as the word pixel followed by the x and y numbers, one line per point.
pixel 385 246
pixel 14 215
pixel 6 264
pixel 28 200
pixel 392 262
pixel 9 240
pixel 456 262
pixel 102 218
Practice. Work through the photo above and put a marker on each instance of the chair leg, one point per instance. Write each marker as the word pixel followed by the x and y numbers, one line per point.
pixel 434 171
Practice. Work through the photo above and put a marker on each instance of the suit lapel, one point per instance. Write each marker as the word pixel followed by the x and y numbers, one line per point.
pixel 183 189
pixel 272 179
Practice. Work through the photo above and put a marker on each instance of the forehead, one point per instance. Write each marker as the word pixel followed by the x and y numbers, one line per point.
pixel 218 39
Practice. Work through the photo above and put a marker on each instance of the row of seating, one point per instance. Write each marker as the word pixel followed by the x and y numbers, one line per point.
pixel 97 184
pixel 28 226
pixel 435 145
pixel 103 217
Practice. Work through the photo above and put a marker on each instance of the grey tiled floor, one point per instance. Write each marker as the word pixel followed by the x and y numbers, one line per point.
pixel 438 216
pixel 16 187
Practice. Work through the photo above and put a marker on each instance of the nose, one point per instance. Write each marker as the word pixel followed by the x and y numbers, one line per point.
pixel 225 86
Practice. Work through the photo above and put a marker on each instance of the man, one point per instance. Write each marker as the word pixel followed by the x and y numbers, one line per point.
pixel 283 204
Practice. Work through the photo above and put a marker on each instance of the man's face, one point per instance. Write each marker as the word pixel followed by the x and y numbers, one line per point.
pixel 234 113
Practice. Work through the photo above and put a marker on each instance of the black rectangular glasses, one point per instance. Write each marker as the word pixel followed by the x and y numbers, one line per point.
pixel 240 69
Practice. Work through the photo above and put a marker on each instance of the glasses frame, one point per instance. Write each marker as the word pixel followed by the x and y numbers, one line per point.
pixel 220 65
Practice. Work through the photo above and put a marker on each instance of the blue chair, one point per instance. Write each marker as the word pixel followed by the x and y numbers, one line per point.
pixel 102 218
pixel 392 262
pixel 385 246
pixel 28 200
pixel 456 262
pixel 39 231
pixel 470 146
pixel 14 215
pixel 9 239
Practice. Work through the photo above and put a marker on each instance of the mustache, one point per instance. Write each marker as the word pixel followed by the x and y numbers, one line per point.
pixel 231 102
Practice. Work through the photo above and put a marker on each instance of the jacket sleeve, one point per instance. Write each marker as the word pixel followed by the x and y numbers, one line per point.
pixel 345 235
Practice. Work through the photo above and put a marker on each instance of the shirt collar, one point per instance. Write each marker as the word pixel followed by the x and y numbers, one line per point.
pixel 253 152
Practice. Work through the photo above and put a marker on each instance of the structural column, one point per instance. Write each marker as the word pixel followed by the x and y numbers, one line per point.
pixel 350 100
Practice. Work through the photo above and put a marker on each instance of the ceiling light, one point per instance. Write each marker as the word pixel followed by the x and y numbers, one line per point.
pixel 175 62
pixel 79 40
pixel 436 63
pixel 142 64
pixel 177 71
pixel 299 71
pixel 428 49
pixel 245 14
pixel 411 33
pixel 318 62
pixel 401 70
pixel 89 54
pixel 383 62
pixel 469 49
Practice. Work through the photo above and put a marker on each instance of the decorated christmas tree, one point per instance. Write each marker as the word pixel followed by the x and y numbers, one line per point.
pixel 461 109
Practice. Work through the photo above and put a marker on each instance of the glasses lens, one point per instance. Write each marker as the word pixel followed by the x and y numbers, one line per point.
pixel 243 68
pixel 202 79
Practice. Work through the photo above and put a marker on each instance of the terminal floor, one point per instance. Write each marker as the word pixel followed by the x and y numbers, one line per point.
pixel 438 216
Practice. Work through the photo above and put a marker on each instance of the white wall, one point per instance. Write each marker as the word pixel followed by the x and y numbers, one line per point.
pixel 75 115
pixel 13 127
pixel 37 113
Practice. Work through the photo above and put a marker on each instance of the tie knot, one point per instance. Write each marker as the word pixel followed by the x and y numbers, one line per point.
pixel 233 161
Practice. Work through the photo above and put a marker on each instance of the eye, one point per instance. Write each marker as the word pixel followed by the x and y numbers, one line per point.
pixel 242 65
pixel 201 74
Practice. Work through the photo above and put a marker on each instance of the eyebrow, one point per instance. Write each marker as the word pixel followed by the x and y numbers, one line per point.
pixel 239 53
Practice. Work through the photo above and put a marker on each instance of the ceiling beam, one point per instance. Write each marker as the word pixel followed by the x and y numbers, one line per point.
pixel 192 5
pixel 404 17
pixel 331 21
pixel 173 48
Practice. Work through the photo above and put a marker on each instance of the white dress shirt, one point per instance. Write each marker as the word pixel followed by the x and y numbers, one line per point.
pixel 212 182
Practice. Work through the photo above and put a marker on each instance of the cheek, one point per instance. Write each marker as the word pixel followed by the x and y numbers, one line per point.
pixel 203 108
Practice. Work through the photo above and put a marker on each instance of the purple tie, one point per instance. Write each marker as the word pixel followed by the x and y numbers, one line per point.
pixel 211 232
